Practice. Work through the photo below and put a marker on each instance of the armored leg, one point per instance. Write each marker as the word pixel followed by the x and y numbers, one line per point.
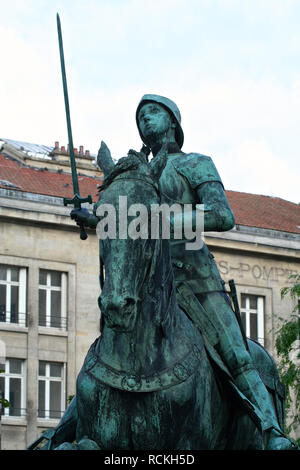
pixel 232 349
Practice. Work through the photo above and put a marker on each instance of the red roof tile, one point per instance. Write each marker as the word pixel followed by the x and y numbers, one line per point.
pixel 264 211
pixel 42 181
pixel 249 209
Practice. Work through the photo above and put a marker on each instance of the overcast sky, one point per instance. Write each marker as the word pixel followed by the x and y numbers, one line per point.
pixel 232 67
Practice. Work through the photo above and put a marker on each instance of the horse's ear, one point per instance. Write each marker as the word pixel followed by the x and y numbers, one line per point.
pixel 104 159
pixel 159 162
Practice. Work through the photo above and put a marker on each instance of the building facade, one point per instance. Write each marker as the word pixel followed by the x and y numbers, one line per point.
pixel 48 288
pixel 49 279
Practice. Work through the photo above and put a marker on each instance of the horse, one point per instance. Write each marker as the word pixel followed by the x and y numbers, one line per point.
pixel 150 381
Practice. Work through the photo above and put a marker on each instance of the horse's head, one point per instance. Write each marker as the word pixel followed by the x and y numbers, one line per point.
pixel 129 253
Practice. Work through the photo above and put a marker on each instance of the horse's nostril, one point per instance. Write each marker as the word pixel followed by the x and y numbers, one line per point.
pixel 129 302
pixel 121 304
pixel 128 305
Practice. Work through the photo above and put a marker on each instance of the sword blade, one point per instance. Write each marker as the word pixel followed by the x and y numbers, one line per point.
pixel 67 107
pixel 77 200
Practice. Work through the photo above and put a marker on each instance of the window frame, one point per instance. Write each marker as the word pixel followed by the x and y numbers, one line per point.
pixel 49 288
pixel 267 293
pixel 12 375
pixel 22 290
pixel 47 378
pixel 259 312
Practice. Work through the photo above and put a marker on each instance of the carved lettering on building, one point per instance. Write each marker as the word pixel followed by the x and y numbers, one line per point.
pixel 256 271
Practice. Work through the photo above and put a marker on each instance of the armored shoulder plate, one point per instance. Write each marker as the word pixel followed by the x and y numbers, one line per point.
pixel 196 168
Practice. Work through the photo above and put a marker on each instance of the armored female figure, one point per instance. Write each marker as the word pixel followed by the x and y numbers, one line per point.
pixel 193 179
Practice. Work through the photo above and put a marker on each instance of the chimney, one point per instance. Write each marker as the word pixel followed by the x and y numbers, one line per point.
pixel 75 151
pixel 63 149
pixel 87 153
pixel 56 146
pixel 81 149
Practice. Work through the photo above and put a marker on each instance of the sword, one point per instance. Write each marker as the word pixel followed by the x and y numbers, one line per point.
pixel 77 200
pixel 237 312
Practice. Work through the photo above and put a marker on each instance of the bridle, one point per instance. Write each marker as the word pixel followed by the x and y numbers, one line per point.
pixel 146 179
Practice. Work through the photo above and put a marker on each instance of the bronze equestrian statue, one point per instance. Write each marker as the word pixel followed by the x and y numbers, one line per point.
pixel 171 369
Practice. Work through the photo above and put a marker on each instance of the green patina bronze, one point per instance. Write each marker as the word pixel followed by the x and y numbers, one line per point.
pixel 171 369
pixel 77 200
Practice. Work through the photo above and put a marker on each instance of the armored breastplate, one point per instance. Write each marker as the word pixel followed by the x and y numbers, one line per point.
pixel 173 186
pixel 178 182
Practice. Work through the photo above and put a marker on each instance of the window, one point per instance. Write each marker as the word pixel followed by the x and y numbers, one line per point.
pixel 12 386
pixel 252 313
pixel 53 299
pixel 13 295
pixel 51 393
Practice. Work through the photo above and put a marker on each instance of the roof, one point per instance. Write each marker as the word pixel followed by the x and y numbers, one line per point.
pixel 38 150
pixel 35 150
pixel 251 210
pixel 254 210
pixel 14 175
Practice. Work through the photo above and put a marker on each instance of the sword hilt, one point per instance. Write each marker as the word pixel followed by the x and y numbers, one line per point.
pixel 77 201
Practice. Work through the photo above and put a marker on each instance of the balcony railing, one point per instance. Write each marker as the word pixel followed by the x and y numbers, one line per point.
pixel 13 411
pixel 50 414
pixel 19 318
pixel 53 321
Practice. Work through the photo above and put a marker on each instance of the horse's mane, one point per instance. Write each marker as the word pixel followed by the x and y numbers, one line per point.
pixel 131 162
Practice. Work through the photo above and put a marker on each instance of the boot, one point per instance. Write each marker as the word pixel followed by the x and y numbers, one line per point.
pixel 276 440
pixel 250 384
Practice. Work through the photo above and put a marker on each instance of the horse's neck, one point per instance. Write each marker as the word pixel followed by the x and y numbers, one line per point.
pixel 157 339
